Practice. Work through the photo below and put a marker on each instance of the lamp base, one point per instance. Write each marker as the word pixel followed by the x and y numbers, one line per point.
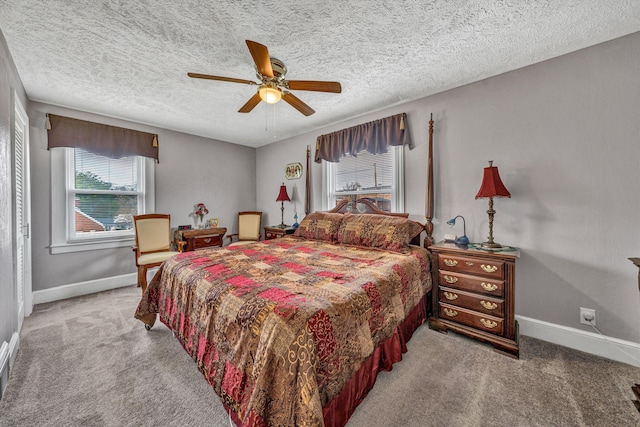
pixel 462 240
pixel 283 225
pixel 490 245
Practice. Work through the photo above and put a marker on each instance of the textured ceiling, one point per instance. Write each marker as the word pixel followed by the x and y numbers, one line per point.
pixel 129 59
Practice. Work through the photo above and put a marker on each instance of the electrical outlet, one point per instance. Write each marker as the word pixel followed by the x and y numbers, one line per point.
pixel 587 316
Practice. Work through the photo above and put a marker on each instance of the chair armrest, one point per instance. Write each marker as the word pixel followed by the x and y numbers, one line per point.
pixel 137 252
pixel 230 237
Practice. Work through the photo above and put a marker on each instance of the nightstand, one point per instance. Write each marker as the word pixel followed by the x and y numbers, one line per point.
pixel 473 294
pixel 274 232
pixel 202 238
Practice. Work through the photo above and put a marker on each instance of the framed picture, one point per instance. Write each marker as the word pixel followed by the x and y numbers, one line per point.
pixel 213 223
pixel 293 171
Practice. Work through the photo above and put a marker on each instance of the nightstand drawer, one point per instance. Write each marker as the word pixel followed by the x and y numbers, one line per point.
pixel 471 283
pixel 477 266
pixel 491 324
pixel 207 241
pixel 201 238
pixel 277 232
pixel 481 303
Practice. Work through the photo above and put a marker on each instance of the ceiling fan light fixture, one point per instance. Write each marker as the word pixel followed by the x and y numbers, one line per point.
pixel 269 94
pixel 272 86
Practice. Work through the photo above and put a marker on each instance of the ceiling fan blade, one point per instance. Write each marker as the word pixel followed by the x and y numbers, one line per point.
pixel 251 103
pixel 314 86
pixel 224 79
pixel 296 103
pixel 260 55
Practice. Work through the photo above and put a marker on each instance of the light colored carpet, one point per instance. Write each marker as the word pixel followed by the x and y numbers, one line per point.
pixel 87 362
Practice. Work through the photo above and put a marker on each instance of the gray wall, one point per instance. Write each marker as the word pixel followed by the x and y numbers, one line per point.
pixel 192 169
pixel 565 135
pixel 10 86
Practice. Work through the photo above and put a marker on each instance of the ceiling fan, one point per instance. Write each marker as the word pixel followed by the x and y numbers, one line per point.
pixel 273 86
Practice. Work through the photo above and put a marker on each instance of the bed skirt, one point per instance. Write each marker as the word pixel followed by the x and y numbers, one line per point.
pixel 337 412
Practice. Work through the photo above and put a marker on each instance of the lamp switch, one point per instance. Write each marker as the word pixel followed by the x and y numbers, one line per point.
pixel 450 237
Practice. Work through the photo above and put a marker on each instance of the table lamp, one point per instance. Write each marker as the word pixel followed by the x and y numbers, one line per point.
pixel 283 197
pixel 491 187
pixel 462 240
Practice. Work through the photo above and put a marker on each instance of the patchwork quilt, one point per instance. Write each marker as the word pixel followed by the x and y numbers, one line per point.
pixel 278 327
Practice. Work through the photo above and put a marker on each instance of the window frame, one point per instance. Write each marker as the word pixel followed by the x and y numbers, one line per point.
pixel 62 205
pixel 397 190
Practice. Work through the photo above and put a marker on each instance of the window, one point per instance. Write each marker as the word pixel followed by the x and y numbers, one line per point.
pixel 378 177
pixel 94 199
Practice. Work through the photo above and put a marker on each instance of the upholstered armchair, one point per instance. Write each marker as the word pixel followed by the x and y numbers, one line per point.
pixel 249 223
pixel 153 243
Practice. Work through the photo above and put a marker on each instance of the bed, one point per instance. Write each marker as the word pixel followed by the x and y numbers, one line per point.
pixel 293 331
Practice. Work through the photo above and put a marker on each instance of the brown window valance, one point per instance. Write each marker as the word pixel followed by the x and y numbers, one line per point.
pixel 373 136
pixel 105 140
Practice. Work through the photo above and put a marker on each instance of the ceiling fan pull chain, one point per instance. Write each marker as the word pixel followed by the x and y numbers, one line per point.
pixel 274 120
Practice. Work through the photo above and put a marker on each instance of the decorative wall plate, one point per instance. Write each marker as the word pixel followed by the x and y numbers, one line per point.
pixel 293 171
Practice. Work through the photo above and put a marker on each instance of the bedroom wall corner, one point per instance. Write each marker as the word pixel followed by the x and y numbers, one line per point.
pixel 191 170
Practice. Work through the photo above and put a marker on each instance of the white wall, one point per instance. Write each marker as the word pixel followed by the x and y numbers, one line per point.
pixel 192 169
pixel 565 135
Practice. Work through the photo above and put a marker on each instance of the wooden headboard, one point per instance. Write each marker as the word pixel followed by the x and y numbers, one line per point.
pixel 363 206
pixel 366 206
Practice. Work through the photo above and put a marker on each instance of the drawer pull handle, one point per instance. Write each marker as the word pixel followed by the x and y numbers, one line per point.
pixel 450 279
pixel 488 323
pixel 451 313
pixel 489 305
pixel 450 262
pixel 489 286
pixel 451 296
pixel 207 240
pixel 489 268
pixel 469 263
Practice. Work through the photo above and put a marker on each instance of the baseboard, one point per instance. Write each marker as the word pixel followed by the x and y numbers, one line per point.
pixel 8 352
pixel 83 288
pixel 590 342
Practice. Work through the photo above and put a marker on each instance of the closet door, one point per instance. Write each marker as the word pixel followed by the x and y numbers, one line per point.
pixel 23 212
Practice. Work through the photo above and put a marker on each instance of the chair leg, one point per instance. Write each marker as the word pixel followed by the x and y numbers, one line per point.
pixel 142 277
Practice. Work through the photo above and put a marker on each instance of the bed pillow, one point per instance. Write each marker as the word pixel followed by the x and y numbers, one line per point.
pixel 320 226
pixel 390 233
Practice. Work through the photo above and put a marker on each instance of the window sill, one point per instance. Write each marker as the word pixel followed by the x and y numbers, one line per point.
pixel 90 246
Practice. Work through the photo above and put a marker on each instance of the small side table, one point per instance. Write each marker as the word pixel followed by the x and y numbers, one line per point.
pixel 202 238
pixel 274 232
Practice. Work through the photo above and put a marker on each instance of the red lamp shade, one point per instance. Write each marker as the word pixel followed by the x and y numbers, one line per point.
pixel 283 196
pixel 492 185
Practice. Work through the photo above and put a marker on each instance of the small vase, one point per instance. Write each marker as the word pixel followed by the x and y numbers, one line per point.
pixel 201 224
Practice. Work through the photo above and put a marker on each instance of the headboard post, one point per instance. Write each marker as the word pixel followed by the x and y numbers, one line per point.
pixel 428 240
pixel 307 196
